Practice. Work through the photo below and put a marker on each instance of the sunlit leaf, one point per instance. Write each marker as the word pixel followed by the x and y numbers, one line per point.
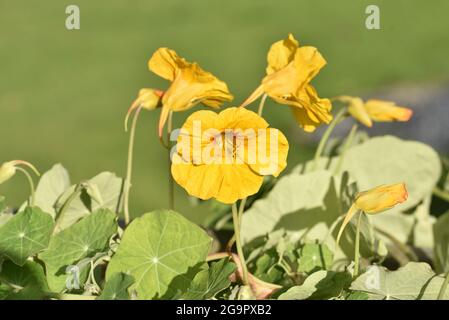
pixel 161 250
pixel 84 239
pixel 25 234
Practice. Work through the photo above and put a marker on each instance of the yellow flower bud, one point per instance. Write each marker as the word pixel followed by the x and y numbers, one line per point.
pixel 381 198
pixel 374 201
pixel 7 171
pixel 357 110
pixel 147 98
pixel 387 111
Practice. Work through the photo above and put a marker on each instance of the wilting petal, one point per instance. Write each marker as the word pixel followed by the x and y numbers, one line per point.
pixel 281 53
pixel 381 198
pixel 309 110
pixel 165 63
pixel 192 86
pixel 357 110
pixel 386 111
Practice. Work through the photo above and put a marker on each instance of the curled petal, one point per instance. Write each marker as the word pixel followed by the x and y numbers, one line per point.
pixel 386 111
pixel 281 53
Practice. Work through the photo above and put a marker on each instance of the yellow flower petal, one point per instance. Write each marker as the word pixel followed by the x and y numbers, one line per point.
pixel 386 111
pixel 309 110
pixel 281 53
pixel 190 85
pixel 226 183
pixel 165 63
pixel 272 160
pixel 381 198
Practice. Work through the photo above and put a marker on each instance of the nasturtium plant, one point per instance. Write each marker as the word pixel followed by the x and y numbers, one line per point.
pixel 355 222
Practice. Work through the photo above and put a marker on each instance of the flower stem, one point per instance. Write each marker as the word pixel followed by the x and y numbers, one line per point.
pixel 261 105
pixel 232 240
pixel 171 184
pixel 443 287
pixel 129 167
pixel 319 151
pixel 238 241
pixel 31 183
pixel 346 146
pixel 357 246
pixel 441 194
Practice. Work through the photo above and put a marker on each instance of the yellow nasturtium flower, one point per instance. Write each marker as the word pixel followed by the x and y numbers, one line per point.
pixel 8 169
pixel 190 85
pixel 225 156
pixel 289 72
pixel 375 110
pixel 375 200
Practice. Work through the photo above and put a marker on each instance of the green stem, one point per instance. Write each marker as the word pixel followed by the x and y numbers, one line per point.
pixel 319 151
pixel 441 194
pixel 232 240
pixel 346 146
pixel 171 183
pixel 261 105
pixel 238 240
pixel 443 287
pixel 31 183
pixel 129 166
pixel 357 246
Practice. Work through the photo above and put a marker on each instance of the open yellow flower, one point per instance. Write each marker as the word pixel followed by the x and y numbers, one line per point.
pixel 190 85
pixel 226 155
pixel 289 72
pixel 375 110
pixel 375 200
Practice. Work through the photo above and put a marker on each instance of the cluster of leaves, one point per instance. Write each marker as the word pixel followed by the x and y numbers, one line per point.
pixel 70 245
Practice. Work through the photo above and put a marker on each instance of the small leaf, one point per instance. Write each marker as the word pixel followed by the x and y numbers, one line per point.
pixel 208 283
pixel 314 257
pixel 319 285
pixel 25 234
pixel 51 186
pixel 105 188
pixel 86 238
pixel 116 288
pixel 161 250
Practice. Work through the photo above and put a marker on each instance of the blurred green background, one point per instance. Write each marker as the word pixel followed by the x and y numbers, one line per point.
pixel 64 93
